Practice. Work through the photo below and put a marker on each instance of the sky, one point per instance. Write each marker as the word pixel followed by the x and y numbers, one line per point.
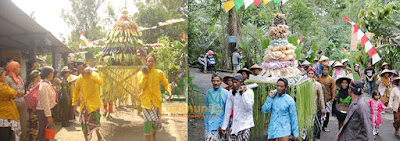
pixel 47 13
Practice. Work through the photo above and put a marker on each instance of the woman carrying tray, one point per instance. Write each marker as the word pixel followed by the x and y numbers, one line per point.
pixel 342 100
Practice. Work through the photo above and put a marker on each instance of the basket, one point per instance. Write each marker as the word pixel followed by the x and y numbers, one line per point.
pixel 50 133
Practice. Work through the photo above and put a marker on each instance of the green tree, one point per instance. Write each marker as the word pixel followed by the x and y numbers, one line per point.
pixel 153 11
pixel 84 17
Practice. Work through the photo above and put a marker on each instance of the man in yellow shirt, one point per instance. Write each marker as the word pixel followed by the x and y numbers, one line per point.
pixel 87 87
pixel 149 80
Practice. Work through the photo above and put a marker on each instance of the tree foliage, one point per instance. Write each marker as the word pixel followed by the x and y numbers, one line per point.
pixel 84 17
pixel 381 17
pixel 153 11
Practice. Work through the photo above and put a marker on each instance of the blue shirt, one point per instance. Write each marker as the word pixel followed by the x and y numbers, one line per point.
pixel 319 69
pixel 214 108
pixel 283 121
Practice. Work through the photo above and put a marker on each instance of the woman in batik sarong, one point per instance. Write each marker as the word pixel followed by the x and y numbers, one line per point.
pixel 149 79
pixel 14 80
pixel 9 117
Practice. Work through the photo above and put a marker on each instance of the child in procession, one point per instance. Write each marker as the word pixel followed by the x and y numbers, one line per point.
pixel 376 107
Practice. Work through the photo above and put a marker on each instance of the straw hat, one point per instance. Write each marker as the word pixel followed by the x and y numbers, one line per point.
pixel 72 78
pixel 339 80
pixel 323 58
pixel 255 66
pixel 65 69
pixel 344 60
pixel 386 71
pixel 386 64
pixel 244 70
pixel 396 78
pixel 316 59
pixel 306 63
pixel 225 79
pixel 338 64
pixel 331 63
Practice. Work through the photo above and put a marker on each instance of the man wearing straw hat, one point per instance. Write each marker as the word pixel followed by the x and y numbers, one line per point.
pixel 256 70
pixel 315 64
pixel 65 97
pixel 215 109
pixel 245 73
pixel 394 104
pixel 87 87
pixel 322 61
pixel 304 67
pixel 357 125
pixel 229 82
pixel 330 94
pixel 283 121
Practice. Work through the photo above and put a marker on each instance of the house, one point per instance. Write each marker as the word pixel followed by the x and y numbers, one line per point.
pixel 22 38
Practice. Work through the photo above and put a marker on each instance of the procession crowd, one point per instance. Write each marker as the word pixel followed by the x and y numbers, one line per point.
pixel 338 87
pixel 29 108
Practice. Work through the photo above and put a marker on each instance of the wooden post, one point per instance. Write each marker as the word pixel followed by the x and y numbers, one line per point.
pixel 53 58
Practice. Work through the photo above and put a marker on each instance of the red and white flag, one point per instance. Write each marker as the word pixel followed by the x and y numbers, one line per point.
pixel 364 41
pixel 83 37
pixel 299 40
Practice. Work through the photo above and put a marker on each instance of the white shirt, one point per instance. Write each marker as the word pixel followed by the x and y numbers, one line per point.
pixel 394 100
pixel 258 77
pixel 242 106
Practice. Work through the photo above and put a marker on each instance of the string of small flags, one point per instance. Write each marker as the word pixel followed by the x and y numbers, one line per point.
pixel 369 48
pixel 228 5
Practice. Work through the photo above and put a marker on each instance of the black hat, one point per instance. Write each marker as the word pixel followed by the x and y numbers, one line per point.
pixel 357 87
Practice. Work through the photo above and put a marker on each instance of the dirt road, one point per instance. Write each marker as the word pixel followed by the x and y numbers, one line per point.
pixel 126 125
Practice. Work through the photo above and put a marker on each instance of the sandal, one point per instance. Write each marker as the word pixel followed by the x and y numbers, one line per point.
pixel 325 129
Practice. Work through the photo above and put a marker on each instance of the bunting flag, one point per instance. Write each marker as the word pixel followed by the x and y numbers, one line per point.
pixel 299 40
pixel 83 38
pixel 277 1
pixel 256 2
pixel 228 5
pixel 369 48
pixel 266 1
pixel 238 4
pixel 247 3
pixel 160 24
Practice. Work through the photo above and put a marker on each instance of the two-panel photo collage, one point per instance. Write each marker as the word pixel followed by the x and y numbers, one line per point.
pixel 199 70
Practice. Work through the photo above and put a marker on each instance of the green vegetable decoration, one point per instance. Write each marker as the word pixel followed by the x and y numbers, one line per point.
pixel 355 74
pixel 302 93
pixel 123 45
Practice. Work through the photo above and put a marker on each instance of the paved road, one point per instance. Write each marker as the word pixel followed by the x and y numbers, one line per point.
pixel 196 125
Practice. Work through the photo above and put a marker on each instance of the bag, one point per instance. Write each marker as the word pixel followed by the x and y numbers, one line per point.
pixel 32 97
pixel 50 133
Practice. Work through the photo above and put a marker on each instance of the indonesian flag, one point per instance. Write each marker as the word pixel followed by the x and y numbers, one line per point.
pixel 82 37
pixel 299 40
pixel 364 41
